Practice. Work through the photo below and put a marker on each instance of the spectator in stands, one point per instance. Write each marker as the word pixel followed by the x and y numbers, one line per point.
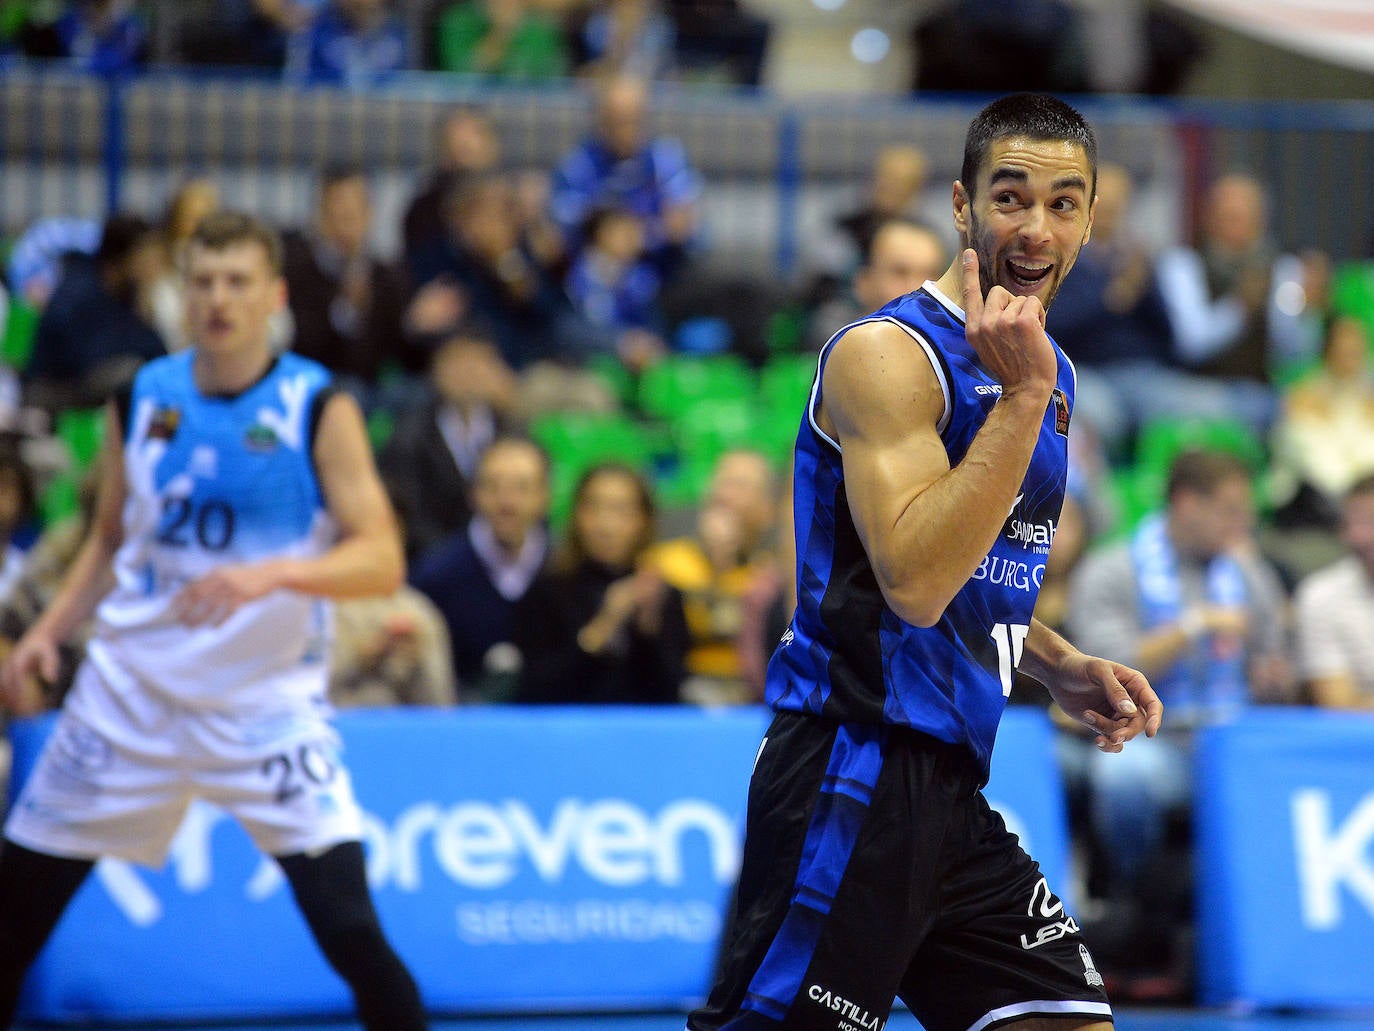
pixel 347 304
pixel 1110 318
pixel 715 37
pixel 505 40
pixel 626 37
pixel 106 37
pixel 1335 613
pixel 727 577
pixel 96 329
pixel 45 567
pixel 195 199
pixel 478 576
pixel 615 290
pixel 391 650
pixel 902 254
pixel 893 191
pixel 600 626
pixel 1187 601
pixel 35 261
pixel 16 510
pixel 250 32
pixel 1324 439
pixel 620 166
pixel 1240 309
pixel 432 456
pixel 352 43
pixel 979 46
pixel 483 271
pixel 466 146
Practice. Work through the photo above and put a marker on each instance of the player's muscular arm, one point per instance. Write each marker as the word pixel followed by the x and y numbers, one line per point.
pixel 925 525
pixel 87 581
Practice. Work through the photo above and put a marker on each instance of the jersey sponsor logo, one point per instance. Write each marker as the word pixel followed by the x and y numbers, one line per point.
pixel 164 423
pixel 852 1014
pixel 1061 412
pixel 1033 535
pixel 1090 973
pixel 788 636
pixel 261 439
pixel 987 389
pixel 1008 572
pixel 1045 905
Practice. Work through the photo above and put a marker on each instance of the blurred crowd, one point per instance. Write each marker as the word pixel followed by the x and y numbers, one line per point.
pixel 585 427
pixel 361 43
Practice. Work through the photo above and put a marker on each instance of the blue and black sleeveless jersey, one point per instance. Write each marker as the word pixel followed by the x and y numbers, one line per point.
pixel 847 656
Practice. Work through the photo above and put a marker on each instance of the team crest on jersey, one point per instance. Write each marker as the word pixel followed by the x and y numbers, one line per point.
pixel 260 438
pixel 164 423
pixel 1061 413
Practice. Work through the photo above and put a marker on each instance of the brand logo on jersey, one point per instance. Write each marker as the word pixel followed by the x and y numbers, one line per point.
pixel 1033 535
pixel 1090 973
pixel 1061 412
pixel 987 389
pixel 787 638
pixel 852 1014
pixel 1044 905
pixel 164 423
pixel 1006 572
pixel 260 438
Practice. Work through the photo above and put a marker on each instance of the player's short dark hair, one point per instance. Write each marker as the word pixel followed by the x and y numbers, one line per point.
pixel 1199 471
pixel 223 229
pixel 1036 116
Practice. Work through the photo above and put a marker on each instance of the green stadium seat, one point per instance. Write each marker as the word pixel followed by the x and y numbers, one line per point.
pixel 16 346
pixel 576 442
pixel 668 389
pixel 1160 441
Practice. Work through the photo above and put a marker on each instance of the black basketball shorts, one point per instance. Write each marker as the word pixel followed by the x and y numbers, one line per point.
pixel 875 869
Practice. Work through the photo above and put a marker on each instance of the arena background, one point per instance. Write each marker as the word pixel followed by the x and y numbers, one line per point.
pixel 776 162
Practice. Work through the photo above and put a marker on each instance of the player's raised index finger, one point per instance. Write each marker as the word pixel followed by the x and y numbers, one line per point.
pixel 973 287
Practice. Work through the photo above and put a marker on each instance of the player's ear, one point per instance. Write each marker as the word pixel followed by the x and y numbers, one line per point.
pixel 961 203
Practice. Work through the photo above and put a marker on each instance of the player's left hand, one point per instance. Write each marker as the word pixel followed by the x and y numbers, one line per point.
pixel 214 597
pixel 1113 700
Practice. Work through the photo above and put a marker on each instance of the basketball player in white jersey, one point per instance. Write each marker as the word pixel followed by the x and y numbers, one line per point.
pixel 237 496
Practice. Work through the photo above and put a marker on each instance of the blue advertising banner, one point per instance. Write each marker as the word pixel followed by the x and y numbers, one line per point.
pixel 1285 853
pixel 522 860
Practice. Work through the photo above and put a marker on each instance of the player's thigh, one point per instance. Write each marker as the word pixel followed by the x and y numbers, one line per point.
pixel 1005 947
pixel 291 792
pixel 823 943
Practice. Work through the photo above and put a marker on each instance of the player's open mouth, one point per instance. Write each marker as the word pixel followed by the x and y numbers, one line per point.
pixel 1028 273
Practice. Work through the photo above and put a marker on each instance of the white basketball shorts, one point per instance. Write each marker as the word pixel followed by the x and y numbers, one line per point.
pixel 121 768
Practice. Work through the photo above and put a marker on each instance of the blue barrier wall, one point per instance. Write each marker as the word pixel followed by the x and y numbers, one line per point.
pixel 522 860
pixel 1285 853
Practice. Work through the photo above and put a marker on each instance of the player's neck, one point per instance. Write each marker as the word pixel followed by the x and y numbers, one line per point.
pixel 230 372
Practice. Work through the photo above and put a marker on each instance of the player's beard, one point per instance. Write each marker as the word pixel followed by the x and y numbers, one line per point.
pixel 989 261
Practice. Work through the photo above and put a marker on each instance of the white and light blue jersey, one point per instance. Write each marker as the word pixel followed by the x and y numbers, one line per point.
pixel 214 481
pixel 847 655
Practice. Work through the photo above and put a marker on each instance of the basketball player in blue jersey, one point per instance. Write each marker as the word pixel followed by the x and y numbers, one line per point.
pixel 930 468
pixel 237 496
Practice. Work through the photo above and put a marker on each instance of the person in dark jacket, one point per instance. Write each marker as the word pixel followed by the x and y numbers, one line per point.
pixel 600 627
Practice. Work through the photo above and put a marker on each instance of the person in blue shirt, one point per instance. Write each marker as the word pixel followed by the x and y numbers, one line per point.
pixel 930 468
pixel 620 166
pixel 352 43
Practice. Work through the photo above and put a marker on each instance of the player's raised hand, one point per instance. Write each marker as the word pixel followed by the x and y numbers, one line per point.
pixel 34 658
pixel 1008 332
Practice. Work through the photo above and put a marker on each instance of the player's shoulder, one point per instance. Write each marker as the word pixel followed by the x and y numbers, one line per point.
pixel 289 363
